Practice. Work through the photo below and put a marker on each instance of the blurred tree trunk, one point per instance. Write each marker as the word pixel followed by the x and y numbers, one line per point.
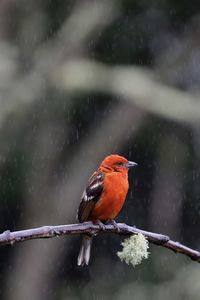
pixel 167 199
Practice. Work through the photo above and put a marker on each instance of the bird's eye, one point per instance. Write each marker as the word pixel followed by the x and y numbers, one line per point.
pixel 119 163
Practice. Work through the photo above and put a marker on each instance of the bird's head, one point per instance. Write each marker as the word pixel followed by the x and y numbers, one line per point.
pixel 117 163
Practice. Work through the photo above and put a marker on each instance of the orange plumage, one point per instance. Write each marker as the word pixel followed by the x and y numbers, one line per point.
pixel 103 197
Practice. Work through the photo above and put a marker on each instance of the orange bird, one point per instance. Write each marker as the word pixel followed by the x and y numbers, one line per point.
pixel 103 197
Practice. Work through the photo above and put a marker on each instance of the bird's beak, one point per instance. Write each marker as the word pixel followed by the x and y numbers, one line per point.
pixel 130 164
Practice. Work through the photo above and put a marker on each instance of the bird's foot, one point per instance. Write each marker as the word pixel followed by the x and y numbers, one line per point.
pixel 101 225
pixel 113 222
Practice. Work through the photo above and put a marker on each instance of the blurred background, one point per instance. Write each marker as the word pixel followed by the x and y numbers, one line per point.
pixel 80 80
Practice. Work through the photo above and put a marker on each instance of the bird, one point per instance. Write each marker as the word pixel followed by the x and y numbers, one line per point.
pixel 103 198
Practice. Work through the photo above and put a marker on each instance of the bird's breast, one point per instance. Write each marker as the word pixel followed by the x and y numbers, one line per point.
pixel 113 197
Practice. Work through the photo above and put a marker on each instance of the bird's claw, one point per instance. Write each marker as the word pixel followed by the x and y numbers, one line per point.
pixel 101 225
pixel 113 222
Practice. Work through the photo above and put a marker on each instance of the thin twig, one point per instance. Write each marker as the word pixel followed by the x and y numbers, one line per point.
pixel 9 238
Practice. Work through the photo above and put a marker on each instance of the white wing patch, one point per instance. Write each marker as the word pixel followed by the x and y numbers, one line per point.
pixel 85 196
pixel 95 185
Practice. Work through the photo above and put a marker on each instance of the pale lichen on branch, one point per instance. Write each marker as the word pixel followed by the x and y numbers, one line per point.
pixel 135 249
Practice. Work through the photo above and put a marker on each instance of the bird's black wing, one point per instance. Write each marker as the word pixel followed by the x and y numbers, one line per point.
pixel 90 196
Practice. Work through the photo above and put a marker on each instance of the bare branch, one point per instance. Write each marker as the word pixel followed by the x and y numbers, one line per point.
pixel 9 238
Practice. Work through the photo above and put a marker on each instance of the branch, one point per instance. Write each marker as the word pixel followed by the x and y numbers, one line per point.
pixel 9 238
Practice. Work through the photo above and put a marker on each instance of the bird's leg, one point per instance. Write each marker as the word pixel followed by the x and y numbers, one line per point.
pixel 113 222
pixel 101 225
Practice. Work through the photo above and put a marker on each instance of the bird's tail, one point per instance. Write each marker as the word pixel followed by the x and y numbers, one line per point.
pixel 84 254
